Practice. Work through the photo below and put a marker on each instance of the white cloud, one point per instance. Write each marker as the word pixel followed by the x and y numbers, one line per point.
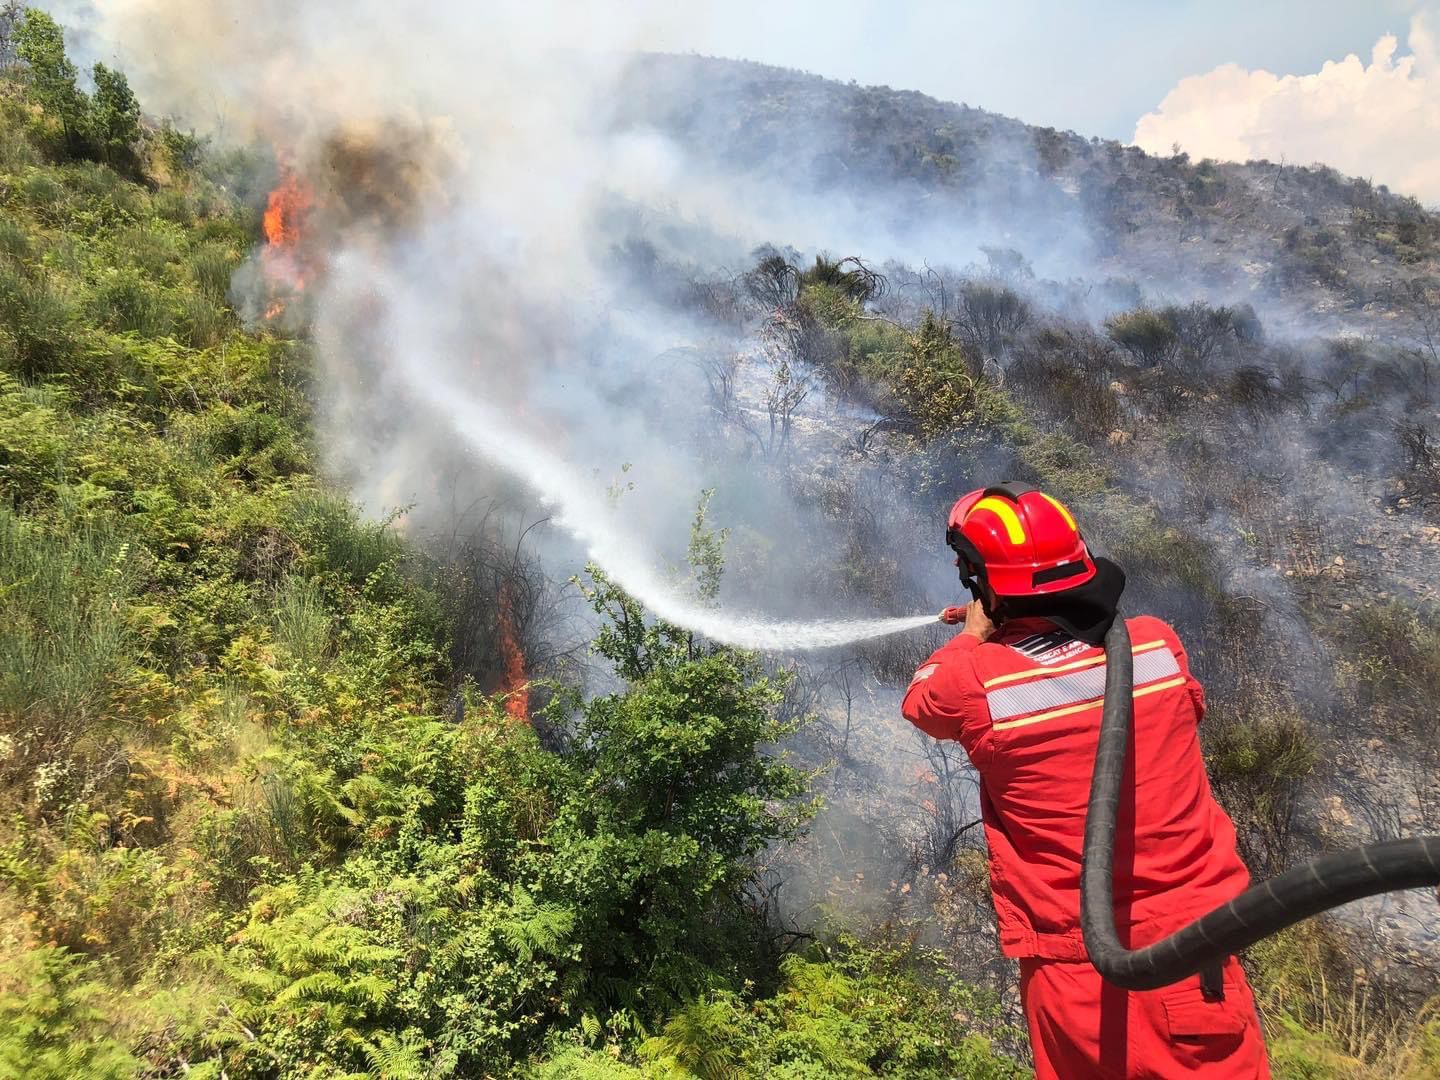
pixel 1379 120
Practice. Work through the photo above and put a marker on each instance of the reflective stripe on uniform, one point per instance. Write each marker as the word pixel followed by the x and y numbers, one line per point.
pixel 924 673
pixel 1099 658
pixel 1061 695
pixel 1168 684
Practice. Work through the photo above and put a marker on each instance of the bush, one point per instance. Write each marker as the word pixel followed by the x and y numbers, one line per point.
pixel 846 1011
pixel 40 322
pixel 1259 767
pixel 493 891
pixel 64 642
pixel 14 240
pixel 202 322
pixel 151 250
pixel 126 302
pixel 34 443
pixel 1325 1020
pixel 1146 335
pixel 211 267
pixel 55 1020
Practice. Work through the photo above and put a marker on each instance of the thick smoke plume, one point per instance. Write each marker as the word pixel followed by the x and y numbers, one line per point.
pixel 471 193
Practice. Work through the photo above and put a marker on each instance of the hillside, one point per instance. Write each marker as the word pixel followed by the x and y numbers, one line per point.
pixel 1335 251
pixel 289 789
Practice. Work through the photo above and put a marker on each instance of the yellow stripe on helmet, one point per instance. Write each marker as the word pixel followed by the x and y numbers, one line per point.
pixel 1063 512
pixel 1006 513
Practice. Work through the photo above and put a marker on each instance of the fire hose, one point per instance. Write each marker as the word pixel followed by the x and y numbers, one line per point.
pixel 1264 909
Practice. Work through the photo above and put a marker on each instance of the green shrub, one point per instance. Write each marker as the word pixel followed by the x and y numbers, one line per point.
pixel 14 240
pixel 44 195
pixel 1324 1020
pixel 847 1011
pixel 211 267
pixel 151 249
pixel 1259 765
pixel 342 542
pixel 1147 335
pixel 16 151
pixel 64 643
pixel 302 621
pixel 1397 655
pixel 34 443
pixel 126 302
pixel 202 322
pixel 40 325
pixel 56 1021
pixel 177 207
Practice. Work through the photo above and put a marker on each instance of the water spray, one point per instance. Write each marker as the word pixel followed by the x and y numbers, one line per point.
pixel 586 515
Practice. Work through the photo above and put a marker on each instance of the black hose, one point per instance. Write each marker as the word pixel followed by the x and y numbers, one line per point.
pixel 1260 911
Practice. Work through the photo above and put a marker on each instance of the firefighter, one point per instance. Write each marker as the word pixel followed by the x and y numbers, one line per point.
pixel 1021 689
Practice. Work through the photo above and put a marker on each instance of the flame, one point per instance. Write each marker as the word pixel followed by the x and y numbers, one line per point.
pixel 286 209
pixel 284 260
pixel 514 684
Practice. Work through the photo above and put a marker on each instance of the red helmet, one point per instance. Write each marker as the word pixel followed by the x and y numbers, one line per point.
pixel 1019 541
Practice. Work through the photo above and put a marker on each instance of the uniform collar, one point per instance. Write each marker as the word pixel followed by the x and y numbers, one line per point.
pixel 1015 629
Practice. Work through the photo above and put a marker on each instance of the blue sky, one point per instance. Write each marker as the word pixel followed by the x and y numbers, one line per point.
pixel 1092 67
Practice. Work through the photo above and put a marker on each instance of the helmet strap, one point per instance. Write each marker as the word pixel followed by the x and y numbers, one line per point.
pixel 973 579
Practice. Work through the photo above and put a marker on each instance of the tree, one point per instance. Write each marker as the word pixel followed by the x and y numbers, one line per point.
pixel 40 43
pixel 11 16
pixel 114 115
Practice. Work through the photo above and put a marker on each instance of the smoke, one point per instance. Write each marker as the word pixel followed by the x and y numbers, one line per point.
pixel 479 322
pixel 1380 120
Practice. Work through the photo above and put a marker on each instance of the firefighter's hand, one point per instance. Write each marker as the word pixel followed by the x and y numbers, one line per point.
pixel 977 623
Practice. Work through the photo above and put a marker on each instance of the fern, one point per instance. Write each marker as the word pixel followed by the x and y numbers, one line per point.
pixel 530 927
pixel 399 1056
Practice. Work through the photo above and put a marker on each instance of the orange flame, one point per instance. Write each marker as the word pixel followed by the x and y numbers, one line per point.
pixel 285 213
pixel 286 208
pixel 514 684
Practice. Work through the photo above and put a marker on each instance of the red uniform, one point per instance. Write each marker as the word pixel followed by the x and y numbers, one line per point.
pixel 1026 706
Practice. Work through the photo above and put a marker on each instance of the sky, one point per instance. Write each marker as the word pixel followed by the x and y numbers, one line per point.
pixel 1092 67
pixel 1350 83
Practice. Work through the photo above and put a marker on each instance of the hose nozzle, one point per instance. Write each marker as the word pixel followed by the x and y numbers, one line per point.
pixel 952 616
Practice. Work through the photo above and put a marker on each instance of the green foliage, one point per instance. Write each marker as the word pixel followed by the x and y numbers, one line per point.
pixel 1147 335
pixel 858 1011
pixel 937 384
pixel 1397 655
pixel 39 325
pixel 64 642
pixel 493 891
pixel 104 126
pixel 850 277
pixel 706 551
pixel 1258 765
pixel 54 1020
pixel 50 75
pixel 184 151
pixel 114 115
pixel 1325 1023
